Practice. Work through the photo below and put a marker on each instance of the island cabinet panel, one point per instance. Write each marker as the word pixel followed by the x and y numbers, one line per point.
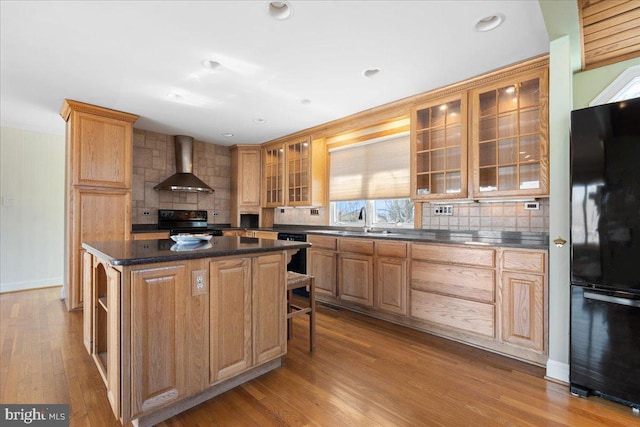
pixel 198 332
pixel 230 318
pixel 87 310
pixel 269 308
pixel 158 336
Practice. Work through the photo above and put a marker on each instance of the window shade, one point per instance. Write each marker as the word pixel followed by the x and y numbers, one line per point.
pixel 371 170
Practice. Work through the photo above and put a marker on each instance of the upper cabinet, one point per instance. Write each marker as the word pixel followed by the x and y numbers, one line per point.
pixel 294 173
pixel 439 149
pixel 510 136
pixel 245 181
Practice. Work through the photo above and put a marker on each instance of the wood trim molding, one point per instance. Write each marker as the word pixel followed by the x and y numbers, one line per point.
pixel 69 106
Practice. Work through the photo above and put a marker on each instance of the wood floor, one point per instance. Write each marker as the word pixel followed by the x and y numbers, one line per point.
pixel 364 372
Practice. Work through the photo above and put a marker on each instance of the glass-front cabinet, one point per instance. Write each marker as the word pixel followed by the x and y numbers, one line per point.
pixel 273 175
pixel 510 136
pixel 439 149
pixel 294 173
pixel 298 168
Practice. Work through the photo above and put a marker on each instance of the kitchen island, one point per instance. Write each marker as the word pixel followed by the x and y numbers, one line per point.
pixel 170 326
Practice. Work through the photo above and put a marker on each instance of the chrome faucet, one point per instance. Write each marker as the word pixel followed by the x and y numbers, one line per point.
pixel 363 215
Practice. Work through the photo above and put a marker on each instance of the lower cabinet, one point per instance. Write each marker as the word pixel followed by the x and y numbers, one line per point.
pixel 391 277
pixel 158 336
pixel 355 278
pixel 524 307
pixel 162 333
pixel 322 264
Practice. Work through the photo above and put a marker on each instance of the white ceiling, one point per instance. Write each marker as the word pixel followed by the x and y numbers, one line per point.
pixel 130 55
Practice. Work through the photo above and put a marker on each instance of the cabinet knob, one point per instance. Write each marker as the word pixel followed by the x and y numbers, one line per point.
pixel 559 242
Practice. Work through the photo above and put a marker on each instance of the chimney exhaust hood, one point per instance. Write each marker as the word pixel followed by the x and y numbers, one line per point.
pixel 184 179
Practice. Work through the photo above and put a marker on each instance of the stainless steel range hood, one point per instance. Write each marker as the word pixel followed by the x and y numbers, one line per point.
pixel 184 179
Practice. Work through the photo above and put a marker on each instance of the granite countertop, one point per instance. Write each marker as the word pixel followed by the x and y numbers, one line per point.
pixel 133 252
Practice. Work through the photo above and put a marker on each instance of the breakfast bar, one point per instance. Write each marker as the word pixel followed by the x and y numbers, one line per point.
pixel 171 325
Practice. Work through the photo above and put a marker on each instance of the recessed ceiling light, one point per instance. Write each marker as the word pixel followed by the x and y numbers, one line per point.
pixel 305 101
pixel 260 121
pixel 280 10
pixel 211 65
pixel 490 22
pixel 371 72
pixel 227 134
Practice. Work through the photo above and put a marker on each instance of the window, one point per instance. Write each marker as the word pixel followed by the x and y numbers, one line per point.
pixel 373 175
pixel 382 213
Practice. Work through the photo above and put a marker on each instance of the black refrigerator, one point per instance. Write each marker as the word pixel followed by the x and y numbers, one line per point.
pixel 605 252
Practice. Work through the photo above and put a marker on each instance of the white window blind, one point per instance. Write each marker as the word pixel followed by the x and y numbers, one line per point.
pixel 372 170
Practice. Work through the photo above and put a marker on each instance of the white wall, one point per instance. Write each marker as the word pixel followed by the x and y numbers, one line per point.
pixel 32 209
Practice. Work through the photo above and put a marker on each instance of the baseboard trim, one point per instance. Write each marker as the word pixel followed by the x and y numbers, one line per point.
pixel 557 372
pixel 30 285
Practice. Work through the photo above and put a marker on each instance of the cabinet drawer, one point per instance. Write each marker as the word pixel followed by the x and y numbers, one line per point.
pixel 528 261
pixel 391 249
pixel 356 246
pixel 322 242
pixel 465 282
pixel 454 254
pixel 469 316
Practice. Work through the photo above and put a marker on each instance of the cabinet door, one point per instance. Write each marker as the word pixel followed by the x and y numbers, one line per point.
pixel 113 340
pixel 439 149
pixel 98 215
pixel 523 310
pixel 273 172
pixel 391 285
pixel 102 151
pixel 298 172
pixel 230 318
pixel 158 336
pixel 355 278
pixel 322 265
pixel 249 179
pixel 510 136
pixel 269 307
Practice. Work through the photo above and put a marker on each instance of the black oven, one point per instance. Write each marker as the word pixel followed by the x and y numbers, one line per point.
pixel 298 262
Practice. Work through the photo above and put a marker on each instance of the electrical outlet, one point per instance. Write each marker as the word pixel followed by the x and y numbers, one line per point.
pixel 315 211
pixel 216 213
pixel 146 213
pixel 443 210
pixel 531 206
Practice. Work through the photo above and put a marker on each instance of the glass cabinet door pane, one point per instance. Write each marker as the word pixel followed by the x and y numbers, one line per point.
pixel 530 93
pixel 487 155
pixel 529 148
pixel 422 118
pixel 453 158
pixel 437 115
pixel 437 183
pixel 422 184
pixel 507 178
pixel 453 112
pixel 453 135
pixel 529 121
pixel 438 160
pixel 488 105
pixel 507 98
pixel 488 179
pixel 422 141
pixel 507 151
pixel 508 125
pixel 488 129
pixel 437 138
pixel 453 182
pixel 422 162
pixel 529 176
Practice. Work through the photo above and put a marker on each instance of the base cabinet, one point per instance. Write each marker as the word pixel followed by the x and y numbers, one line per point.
pixel 322 264
pixel 164 335
pixel 158 336
pixel 355 278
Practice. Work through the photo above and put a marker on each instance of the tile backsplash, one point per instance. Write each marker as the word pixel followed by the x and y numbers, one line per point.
pixel 154 161
pixel 496 216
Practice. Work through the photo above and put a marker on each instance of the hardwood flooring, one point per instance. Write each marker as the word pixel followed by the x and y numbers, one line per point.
pixel 365 372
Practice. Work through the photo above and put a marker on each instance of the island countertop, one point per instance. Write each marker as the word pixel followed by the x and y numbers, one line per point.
pixel 133 252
